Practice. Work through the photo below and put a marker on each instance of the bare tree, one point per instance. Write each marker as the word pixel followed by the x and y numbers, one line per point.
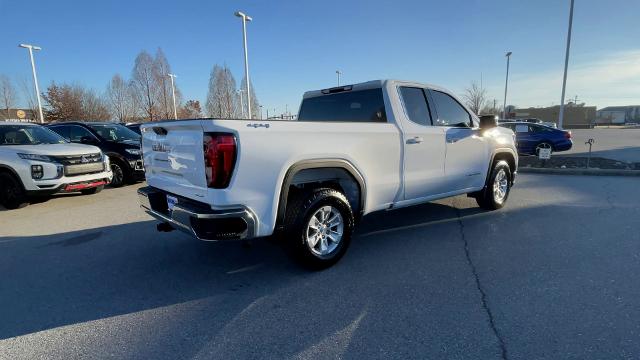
pixel 161 69
pixel 94 108
pixel 255 104
pixel 144 85
pixel 222 97
pixel 28 93
pixel 120 97
pixel 491 108
pixel 74 102
pixel 475 97
pixel 8 95
pixel 190 110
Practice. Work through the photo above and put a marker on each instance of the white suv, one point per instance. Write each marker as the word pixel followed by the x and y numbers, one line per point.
pixel 36 161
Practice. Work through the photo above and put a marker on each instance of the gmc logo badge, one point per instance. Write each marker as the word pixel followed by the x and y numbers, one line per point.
pixel 160 147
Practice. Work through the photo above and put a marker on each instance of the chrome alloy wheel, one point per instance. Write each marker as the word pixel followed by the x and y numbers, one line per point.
pixel 500 187
pixel 324 231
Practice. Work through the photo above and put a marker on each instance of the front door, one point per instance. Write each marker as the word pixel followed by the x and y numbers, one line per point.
pixel 467 151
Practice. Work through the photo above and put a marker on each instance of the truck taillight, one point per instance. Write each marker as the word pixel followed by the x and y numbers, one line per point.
pixel 219 159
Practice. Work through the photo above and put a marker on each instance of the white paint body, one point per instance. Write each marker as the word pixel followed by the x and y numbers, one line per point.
pixel 397 172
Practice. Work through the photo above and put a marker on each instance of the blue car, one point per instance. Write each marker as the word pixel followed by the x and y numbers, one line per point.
pixel 531 138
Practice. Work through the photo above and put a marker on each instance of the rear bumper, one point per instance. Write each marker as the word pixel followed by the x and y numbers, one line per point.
pixel 198 219
pixel 563 146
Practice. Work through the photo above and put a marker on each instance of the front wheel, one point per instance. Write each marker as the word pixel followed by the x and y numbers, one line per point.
pixel 496 191
pixel 318 227
pixel 118 174
pixel 12 195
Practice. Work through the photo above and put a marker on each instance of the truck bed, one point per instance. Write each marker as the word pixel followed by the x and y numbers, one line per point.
pixel 173 157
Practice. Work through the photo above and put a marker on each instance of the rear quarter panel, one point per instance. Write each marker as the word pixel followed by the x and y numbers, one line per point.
pixel 267 151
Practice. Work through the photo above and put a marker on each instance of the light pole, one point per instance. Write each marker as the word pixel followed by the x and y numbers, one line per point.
pixel 506 82
pixel 566 65
pixel 260 112
pixel 338 73
pixel 245 18
pixel 35 78
pixel 173 93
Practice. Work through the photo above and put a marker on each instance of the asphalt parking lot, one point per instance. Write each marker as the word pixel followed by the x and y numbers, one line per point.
pixel 551 276
pixel 615 143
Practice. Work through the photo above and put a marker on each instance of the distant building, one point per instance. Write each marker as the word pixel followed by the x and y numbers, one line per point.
pixel 24 115
pixel 618 115
pixel 575 116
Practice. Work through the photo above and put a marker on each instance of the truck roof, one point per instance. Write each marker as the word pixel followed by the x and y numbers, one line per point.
pixel 373 84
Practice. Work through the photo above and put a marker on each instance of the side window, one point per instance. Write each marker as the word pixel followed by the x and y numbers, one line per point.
pixel 76 133
pixel 61 130
pixel 415 104
pixel 537 129
pixel 522 128
pixel 450 112
pixel 353 106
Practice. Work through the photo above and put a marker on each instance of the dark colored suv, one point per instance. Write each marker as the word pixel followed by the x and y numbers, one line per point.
pixel 117 141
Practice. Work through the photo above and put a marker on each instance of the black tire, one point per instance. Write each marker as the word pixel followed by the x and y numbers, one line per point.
pixel 12 194
pixel 487 198
pixel 119 174
pixel 304 206
pixel 92 191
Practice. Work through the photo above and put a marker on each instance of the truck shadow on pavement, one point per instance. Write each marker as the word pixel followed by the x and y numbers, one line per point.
pixel 126 273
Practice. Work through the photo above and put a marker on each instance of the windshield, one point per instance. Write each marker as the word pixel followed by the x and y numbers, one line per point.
pixel 115 132
pixel 28 135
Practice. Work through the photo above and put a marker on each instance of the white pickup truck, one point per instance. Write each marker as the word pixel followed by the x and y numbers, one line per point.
pixel 353 150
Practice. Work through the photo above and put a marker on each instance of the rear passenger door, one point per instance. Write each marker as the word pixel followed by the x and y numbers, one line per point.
pixel 424 146
pixel 467 152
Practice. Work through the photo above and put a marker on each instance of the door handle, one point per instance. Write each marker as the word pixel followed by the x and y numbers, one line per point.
pixel 415 140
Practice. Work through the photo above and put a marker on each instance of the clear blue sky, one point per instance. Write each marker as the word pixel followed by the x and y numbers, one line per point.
pixel 297 45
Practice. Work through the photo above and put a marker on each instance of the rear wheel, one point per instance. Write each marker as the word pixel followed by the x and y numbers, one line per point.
pixel 92 191
pixel 12 195
pixel 318 227
pixel 543 145
pixel 496 191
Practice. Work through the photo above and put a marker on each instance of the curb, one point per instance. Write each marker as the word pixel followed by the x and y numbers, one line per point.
pixel 594 172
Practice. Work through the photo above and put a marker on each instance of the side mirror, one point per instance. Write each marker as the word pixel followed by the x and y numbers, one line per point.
pixel 87 140
pixel 488 121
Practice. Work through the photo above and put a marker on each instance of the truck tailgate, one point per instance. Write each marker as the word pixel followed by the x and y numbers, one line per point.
pixel 174 156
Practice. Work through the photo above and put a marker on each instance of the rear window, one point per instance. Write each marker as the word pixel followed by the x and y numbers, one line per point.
pixel 354 106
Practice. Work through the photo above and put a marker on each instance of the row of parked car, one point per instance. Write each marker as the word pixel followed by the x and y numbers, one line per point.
pixel 38 160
